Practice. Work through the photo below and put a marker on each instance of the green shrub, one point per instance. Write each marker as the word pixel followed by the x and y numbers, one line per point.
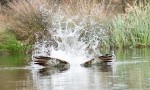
pixel 9 44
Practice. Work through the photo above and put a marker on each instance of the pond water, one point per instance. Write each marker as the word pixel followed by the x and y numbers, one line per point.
pixel 130 71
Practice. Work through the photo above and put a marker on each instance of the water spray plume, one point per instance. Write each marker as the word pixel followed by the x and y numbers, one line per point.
pixel 72 32
pixel 71 41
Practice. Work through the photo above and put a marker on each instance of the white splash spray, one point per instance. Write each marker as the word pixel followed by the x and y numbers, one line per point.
pixel 71 39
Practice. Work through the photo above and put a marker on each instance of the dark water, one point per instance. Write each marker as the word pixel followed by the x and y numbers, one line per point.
pixel 131 71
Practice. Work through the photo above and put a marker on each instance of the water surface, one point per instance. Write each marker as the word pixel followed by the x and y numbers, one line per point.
pixel 130 71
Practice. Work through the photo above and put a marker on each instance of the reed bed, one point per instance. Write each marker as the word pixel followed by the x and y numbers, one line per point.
pixel 133 28
pixel 26 18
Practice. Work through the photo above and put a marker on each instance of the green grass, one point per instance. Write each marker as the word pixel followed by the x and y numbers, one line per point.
pixel 10 45
pixel 133 28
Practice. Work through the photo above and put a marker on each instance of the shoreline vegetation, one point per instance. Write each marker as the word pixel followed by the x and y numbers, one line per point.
pixel 127 23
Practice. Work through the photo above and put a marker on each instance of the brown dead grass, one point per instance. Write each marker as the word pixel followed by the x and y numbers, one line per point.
pixel 25 18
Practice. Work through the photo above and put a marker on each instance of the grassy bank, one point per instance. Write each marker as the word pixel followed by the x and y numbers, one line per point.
pixel 10 45
pixel 27 19
pixel 133 28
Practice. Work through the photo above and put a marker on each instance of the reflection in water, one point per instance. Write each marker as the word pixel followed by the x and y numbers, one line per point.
pixel 126 73
pixel 103 66
pixel 106 68
pixel 16 79
pixel 42 77
pixel 111 76
pixel 49 71
pixel 75 78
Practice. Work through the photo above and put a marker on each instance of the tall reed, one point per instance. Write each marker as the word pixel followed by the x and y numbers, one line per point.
pixel 133 28
pixel 27 17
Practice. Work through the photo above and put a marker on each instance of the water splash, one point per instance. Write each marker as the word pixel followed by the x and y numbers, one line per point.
pixel 71 39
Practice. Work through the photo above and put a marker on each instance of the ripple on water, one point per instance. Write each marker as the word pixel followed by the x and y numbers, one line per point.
pixel 130 62
pixel 25 67
pixel 120 86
